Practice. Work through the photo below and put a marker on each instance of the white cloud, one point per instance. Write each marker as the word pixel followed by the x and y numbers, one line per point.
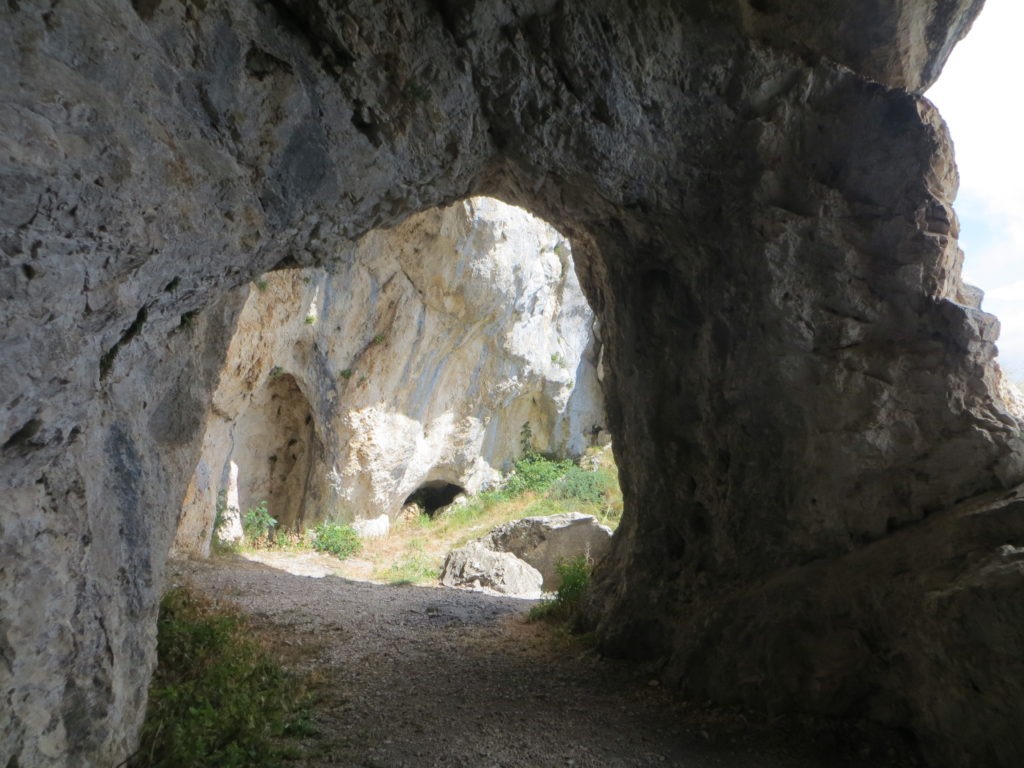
pixel 1009 292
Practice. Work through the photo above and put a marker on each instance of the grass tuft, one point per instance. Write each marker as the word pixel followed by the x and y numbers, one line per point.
pixel 218 696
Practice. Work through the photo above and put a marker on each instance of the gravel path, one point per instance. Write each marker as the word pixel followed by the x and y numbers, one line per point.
pixel 420 677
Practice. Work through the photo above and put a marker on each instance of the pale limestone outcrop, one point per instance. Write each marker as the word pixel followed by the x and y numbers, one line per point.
pixel 478 567
pixel 344 391
pixel 761 217
pixel 547 541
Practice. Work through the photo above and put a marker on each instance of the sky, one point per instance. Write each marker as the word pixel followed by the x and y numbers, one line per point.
pixel 978 97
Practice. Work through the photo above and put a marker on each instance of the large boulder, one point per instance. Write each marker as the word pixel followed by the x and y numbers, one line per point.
pixel 546 541
pixel 474 565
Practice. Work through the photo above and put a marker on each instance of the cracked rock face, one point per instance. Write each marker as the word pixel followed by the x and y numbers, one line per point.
pixel 416 359
pixel 761 219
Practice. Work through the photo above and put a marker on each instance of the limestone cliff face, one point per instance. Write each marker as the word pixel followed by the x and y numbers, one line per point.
pixel 415 359
pixel 760 216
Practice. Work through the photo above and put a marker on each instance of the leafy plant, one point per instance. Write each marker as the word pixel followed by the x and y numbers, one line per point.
pixel 276 371
pixel 526 439
pixel 261 285
pixel 336 539
pixel 557 359
pixel 346 374
pixel 534 472
pixel 218 697
pixel 258 523
pixel 582 485
pixel 378 339
pixel 575 575
pixel 310 319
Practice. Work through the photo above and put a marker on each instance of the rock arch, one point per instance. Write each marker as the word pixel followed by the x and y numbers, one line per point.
pixel 798 393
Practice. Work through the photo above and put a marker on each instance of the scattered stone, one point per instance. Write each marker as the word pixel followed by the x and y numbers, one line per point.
pixel 475 565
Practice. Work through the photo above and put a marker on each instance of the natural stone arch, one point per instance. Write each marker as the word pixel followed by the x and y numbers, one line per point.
pixel 737 206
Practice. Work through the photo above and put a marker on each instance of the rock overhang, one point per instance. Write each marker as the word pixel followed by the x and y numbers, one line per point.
pixel 727 222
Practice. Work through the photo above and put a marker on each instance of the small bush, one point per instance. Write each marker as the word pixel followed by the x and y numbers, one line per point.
pixel 261 285
pixel 575 575
pixel 534 472
pixel 582 485
pixel 218 697
pixel 336 539
pixel 258 523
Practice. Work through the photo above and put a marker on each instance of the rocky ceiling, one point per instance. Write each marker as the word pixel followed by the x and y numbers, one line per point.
pixel 818 475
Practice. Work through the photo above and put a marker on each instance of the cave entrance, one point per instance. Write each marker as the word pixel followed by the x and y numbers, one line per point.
pixel 434 495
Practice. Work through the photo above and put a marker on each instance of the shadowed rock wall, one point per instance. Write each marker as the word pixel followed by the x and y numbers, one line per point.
pixel 760 218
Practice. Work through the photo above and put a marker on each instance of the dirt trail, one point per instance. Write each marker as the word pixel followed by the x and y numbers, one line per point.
pixel 421 677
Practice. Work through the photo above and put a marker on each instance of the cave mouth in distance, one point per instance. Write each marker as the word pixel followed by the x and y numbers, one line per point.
pixel 434 495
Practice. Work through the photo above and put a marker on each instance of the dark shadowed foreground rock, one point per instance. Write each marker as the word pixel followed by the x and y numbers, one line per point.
pixel 474 565
pixel 761 217
pixel 546 541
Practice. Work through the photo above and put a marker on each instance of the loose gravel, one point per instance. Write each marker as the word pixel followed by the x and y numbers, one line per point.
pixel 420 677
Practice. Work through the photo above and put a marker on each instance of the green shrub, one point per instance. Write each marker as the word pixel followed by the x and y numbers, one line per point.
pixel 258 523
pixel 582 485
pixel 218 697
pixel 575 575
pixel 534 472
pixel 336 539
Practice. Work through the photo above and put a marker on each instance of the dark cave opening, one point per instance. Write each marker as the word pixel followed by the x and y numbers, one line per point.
pixel 434 495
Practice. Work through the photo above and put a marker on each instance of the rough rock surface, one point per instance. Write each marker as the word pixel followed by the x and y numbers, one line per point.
pixel 415 359
pixel 477 566
pixel 373 528
pixel 546 541
pixel 761 218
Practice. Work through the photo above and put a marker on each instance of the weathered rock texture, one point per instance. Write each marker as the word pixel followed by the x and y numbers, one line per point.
pixel 545 542
pixel 416 359
pixel 760 216
pixel 478 566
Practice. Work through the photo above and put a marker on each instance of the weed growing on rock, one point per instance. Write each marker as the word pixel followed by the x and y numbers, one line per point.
pixel 336 539
pixel 218 697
